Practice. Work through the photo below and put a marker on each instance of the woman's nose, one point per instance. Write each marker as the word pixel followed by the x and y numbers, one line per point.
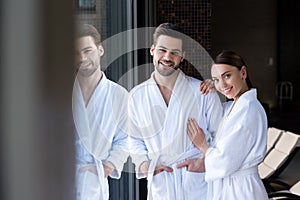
pixel 223 83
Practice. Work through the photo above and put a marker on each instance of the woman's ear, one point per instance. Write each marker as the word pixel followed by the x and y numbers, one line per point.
pixel 244 72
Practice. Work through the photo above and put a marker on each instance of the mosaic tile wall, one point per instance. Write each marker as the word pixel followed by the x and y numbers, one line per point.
pixel 94 12
pixel 194 19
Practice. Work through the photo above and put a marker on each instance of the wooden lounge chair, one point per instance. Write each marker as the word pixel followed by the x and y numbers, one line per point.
pixel 278 158
pixel 273 136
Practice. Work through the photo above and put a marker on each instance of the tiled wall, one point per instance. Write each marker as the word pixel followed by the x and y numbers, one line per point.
pixel 96 16
pixel 194 19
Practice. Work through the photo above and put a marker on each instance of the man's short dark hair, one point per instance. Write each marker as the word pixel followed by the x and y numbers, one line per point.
pixel 167 29
pixel 83 30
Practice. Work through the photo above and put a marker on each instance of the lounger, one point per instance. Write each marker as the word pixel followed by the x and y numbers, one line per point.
pixel 278 158
pixel 273 136
pixel 291 193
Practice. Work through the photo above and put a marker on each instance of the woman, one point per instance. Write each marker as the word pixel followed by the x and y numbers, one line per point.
pixel 240 144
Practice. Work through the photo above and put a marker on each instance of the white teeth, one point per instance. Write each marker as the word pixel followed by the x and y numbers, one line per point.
pixel 226 90
pixel 167 65
pixel 85 65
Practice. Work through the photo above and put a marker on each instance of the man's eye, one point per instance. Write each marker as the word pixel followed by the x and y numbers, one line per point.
pixel 161 50
pixel 215 80
pixel 176 53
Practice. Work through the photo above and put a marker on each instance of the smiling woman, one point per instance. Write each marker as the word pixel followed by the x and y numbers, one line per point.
pixel 230 76
pixel 241 139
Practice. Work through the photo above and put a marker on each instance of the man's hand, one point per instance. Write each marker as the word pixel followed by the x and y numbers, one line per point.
pixel 108 168
pixel 90 168
pixel 161 168
pixel 194 165
pixel 144 168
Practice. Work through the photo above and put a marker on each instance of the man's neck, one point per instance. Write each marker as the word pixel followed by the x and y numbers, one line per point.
pixel 166 84
pixel 166 81
pixel 89 84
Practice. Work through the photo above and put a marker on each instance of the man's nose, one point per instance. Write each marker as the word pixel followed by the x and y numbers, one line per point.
pixel 168 55
pixel 82 57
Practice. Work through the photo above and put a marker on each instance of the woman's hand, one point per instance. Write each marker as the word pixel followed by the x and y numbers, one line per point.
pixel 194 165
pixel 196 135
pixel 206 86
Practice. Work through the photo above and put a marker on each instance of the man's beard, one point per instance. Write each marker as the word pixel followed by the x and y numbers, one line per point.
pixel 86 72
pixel 167 72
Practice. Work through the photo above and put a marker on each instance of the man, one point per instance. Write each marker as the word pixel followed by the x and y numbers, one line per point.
pixel 159 110
pixel 99 111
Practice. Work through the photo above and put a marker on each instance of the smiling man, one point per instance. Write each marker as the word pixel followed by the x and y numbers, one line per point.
pixel 100 112
pixel 159 109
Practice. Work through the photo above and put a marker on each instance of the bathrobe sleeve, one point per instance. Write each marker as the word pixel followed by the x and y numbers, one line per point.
pixel 119 151
pixel 241 134
pixel 137 148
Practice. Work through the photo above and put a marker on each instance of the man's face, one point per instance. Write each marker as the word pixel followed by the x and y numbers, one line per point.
pixel 87 56
pixel 167 54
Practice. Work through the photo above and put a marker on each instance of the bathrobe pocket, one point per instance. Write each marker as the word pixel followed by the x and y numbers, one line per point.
pixel 162 186
pixel 88 186
pixel 194 185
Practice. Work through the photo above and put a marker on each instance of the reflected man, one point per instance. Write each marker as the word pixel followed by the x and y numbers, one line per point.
pixel 100 113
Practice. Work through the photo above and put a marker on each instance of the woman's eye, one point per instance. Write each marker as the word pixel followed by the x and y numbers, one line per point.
pixel 227 76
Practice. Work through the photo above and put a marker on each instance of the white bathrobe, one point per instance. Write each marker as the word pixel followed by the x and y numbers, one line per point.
pixel 158 134
pixel 101 136
pixel 240 145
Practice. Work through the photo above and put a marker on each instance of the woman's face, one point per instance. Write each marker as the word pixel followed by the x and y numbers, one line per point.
pixel 229 80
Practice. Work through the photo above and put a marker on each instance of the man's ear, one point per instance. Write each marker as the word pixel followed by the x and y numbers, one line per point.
pixel 183 56
pixel 101 50
pixel 152 50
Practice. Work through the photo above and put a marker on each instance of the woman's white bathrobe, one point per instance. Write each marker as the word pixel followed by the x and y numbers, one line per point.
pixel 240 145
pixel 158 134
pixel 101 136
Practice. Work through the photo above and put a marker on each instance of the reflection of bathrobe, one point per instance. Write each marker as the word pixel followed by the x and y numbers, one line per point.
pixel 231 163
pixel 101 136
pixel 158 134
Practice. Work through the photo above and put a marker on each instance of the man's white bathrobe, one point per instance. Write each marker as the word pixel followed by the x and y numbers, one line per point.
pixel 101 136
pixel 158 134
pixel 240 145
